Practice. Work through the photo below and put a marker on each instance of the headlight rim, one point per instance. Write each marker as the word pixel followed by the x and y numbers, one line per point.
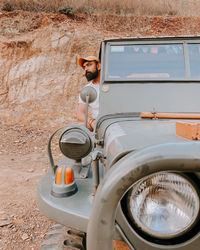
pixel 192 230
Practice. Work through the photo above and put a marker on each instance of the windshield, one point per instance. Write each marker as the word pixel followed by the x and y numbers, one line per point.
pixel 153 61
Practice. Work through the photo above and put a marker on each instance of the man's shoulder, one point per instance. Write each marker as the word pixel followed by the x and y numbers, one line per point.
pixel 90 84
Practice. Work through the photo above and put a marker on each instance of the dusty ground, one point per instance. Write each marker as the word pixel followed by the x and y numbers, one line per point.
pixel 24 135
pixel 23 162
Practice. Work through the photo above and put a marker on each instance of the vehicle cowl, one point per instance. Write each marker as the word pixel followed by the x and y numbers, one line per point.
pixel 123 135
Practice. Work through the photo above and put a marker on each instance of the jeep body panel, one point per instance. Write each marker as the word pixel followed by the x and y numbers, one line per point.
pixel 150 97
pixel 73 211
pixel 123 135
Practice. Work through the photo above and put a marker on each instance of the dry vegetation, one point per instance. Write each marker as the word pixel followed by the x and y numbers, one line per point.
pixel 125 7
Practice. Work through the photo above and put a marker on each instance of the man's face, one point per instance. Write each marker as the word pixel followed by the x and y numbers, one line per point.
pixel 91 70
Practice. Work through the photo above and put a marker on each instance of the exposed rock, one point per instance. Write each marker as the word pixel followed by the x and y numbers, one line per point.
pixel 25 236
pixel 5 223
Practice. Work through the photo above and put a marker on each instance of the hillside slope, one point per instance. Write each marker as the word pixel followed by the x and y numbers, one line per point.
pixel 39 75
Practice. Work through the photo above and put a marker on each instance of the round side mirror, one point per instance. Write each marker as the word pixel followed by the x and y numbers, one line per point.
pixel 88 92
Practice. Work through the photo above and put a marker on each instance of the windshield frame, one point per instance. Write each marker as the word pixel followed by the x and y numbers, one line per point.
pixel 163 41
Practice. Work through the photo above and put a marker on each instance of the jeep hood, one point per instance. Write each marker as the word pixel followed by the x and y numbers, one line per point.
pixel 125 135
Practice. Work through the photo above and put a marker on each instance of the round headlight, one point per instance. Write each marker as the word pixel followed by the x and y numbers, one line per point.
pixel 163 205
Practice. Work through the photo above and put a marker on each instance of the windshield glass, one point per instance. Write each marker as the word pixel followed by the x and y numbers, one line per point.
pixel 159 61
pixel 194 55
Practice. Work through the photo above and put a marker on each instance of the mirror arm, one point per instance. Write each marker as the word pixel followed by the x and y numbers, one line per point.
pixel 86 112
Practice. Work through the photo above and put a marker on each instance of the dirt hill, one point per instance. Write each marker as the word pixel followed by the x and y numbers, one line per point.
pixel 39 75
pixel 39 85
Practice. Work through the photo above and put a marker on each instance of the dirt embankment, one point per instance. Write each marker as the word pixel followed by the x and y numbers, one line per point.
pixel 39 85
pixel 39 75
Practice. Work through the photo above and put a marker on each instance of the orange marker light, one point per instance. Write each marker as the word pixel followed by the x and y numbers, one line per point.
pixel 59 175
pixel 69 177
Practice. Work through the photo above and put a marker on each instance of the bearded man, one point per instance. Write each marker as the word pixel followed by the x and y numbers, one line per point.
pixel 91 66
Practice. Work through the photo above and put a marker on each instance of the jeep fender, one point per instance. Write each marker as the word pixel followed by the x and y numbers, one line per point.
pixel 177 157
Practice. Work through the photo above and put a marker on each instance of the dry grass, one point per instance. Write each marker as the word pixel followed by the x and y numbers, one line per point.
pixel 125 7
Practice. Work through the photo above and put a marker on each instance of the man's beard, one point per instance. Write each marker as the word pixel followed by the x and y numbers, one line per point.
pixel 91 75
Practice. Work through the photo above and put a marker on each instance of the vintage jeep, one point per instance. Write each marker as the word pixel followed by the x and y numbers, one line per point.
pixel 136 178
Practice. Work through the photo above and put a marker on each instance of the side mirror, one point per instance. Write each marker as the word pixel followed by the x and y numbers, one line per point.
pixel 88 95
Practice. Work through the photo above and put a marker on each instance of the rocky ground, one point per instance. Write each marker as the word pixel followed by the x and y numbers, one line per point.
pixel 27 120
pixel 23 162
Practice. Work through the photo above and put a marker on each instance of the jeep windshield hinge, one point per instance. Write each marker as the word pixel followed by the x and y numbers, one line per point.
pixel 97 156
